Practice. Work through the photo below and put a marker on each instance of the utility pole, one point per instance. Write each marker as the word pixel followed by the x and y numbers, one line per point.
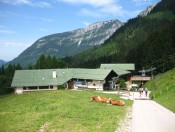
pixel 152 75
pixel 143 72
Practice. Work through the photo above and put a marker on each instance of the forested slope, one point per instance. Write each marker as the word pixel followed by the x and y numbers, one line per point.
pixel 146 41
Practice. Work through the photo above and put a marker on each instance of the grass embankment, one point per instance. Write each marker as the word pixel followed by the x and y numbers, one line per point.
pixel 163 89
pixel 62 110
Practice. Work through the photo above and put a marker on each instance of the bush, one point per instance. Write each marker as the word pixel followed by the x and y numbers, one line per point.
pixel 122 84
pixel 61 87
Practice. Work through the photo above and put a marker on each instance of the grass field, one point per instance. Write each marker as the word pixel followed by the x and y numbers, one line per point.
pixel 60 111
pixel 163 89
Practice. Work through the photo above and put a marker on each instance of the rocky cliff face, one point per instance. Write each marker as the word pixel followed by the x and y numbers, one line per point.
pixel 69 43
pixel 145 12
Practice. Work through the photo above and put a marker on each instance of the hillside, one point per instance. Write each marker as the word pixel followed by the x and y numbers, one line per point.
pixel 163 89
pixel 68 43
pixel 146 41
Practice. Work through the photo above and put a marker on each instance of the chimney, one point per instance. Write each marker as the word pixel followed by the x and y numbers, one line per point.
pixel 54 74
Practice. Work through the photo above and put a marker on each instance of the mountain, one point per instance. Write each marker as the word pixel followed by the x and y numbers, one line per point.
pixel 147 41
pixel 147 11
pixel 2 62
pixel 69 43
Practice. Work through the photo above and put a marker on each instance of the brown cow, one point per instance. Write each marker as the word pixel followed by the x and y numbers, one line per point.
pixel 117 102
pixel 100 99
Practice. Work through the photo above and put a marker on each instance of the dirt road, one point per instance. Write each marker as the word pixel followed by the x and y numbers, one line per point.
pixel 148 116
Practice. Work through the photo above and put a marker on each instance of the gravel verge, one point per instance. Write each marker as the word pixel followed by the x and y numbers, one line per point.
pixel 125 124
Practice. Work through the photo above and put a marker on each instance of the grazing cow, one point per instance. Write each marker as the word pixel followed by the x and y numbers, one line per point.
pixel 100 99
pixel 117 102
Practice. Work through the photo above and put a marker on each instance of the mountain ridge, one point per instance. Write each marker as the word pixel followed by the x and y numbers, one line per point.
pixel 2 62
pixel 147 11
pixel 69 43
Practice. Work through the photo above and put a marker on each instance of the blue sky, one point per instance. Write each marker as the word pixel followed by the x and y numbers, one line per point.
pixel 22 22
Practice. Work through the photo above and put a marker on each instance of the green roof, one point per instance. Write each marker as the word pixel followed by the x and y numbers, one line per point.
pixel 37 78
pixel 94 74
pixel 120 69
pixel 44 77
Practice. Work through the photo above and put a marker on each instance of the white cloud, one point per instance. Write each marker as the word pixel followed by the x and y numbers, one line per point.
pixel 9 43
pixel 9 14
pixel 5 30
pixel 142 2
pixel 43 29
pixel 40 4
pixel 96 8
pixel 45 19
pixel 95 3
pixel 113 9
pixel 100 8
pixel 89 13
pixel 16 2
pixel 27 2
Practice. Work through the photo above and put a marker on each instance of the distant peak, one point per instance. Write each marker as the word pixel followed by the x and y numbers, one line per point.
pixel 99 24
pixel 147 11
pixel 2 62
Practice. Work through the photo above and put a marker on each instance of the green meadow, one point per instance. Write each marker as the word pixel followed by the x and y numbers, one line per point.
pixel 163 89
pixel 60 111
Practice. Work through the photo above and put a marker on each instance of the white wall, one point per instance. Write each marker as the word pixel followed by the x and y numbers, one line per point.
pixel 55 87
pixel 98 85
pixel 95 84
pixel 19 90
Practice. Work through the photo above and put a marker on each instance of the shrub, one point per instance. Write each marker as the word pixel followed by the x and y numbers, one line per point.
pixel 61 87
pixel 122 83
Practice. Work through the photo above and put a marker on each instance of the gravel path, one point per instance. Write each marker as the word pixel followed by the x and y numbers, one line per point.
pixel 149 116
pixel 146 116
